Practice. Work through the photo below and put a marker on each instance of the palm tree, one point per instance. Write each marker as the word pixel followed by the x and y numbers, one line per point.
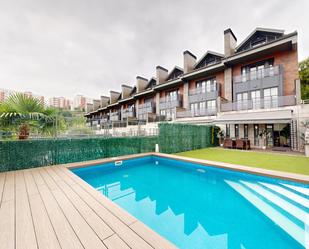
pixel 23 112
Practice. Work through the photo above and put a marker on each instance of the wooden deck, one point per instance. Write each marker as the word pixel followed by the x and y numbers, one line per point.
pixel 50 207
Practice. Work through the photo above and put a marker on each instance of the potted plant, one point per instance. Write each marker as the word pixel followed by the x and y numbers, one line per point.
pixel 23 131
pixel 263 136
pixel 221 137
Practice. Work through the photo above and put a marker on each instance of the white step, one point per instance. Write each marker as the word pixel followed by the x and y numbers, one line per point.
pixel 285 205
pixel 282 221
pixel 301 190
pixel 287 193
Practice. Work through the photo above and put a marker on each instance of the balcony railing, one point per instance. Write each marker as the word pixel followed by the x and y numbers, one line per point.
pixel 114 116
pixel 258 74
pixel 203 94
pixel 128 113
pixel 148 107
pixel 255 104
pixel 196 113
pixel 167 103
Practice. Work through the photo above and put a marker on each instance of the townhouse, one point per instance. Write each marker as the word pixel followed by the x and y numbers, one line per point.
pixel 249 90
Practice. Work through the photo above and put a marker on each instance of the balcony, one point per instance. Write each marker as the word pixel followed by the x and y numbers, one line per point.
pixel 259 79
pixel 202 94
pixel 114 116
pixel 128 113
pixel 196 113
pixel 149 107
pixel 261 103
pixel 168 103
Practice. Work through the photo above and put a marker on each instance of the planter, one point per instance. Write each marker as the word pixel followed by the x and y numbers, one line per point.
pixel 22 137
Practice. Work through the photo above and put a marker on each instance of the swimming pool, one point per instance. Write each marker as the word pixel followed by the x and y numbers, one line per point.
pixel 196 207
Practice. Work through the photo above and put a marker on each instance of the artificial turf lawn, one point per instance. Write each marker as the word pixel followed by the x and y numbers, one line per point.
pixel 265 160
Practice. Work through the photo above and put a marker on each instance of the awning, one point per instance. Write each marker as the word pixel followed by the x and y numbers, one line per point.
pixel 279 116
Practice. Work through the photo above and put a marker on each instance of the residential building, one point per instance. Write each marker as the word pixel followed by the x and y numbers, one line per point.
pixel 79 102
pixel 60 102
pixel 251 88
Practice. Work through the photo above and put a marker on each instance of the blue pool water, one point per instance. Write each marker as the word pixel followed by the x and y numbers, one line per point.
pixel 196 207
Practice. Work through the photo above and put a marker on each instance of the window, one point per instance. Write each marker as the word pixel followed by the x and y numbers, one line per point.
pixel 211 105
pixel 236 130
pixel 270 135
pixel 257 70
pixel 246 131
pixel 201 86
pixel 172 95
pixel 227 130
pixel 271 97
pixel 242 101
pixel 256 99
pixel 194 108
pixel 208 85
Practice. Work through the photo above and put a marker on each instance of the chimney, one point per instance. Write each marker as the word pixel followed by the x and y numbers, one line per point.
pixel 230 42
pixel 114 96
pixel 96 104
pixel 162 74
pixel 126 90
pixel 189 61
pixel 104 101
pixel 141 83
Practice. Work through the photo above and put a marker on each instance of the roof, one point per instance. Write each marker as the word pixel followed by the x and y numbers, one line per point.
pixel 205 55
pixel 175 69
pixel 267 30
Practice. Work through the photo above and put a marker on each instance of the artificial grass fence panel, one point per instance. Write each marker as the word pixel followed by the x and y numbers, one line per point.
pixel 173 138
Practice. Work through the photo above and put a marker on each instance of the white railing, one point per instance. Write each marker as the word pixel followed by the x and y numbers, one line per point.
pixel 254 104
pixel 146 108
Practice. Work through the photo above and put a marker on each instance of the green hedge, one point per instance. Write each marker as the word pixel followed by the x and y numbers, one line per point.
pixel 34 153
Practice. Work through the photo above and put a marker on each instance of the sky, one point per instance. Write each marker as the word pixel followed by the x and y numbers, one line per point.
pixel 89 47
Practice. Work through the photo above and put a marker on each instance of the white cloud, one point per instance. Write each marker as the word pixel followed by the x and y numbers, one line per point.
pixel 68 47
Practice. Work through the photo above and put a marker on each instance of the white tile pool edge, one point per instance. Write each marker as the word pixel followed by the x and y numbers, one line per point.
pixel 234 167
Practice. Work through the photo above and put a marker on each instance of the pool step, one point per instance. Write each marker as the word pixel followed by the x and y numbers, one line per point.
pixel 297 189
pixel 292 196
pixel 295 231
pixel 287 206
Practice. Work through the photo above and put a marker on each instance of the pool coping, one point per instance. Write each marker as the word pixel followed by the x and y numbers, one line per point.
pixel 234 167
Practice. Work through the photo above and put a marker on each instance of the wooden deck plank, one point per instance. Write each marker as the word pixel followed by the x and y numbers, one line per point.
pixel 45 234
pixel 123 231
pixel 7 225
pixel 108 204
pixel 2 181
pixel 9 187
pixel 87 236
pixel 30 183
pixel 25 234
pixel 64 232
pixel 37 177
pixel 114 242
pixel 97 224
pixel 152 238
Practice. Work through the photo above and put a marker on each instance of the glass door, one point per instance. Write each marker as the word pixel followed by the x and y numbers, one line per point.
pixel 270 135
pixel 256 135
pixel 256 99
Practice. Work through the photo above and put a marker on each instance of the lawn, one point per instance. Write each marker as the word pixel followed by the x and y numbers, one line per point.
pixel 265 160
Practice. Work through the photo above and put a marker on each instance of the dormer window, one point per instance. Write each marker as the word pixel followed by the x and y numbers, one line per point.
pixel 259 37
pixel 210 58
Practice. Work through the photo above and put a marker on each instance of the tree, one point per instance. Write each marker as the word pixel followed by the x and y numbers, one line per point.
pixel 21 112
pixel 304 78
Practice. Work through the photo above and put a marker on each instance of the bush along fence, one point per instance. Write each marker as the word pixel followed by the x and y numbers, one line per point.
pixel 172 138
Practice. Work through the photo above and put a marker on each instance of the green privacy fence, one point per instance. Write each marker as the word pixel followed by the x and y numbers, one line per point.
pixel 34 153
pixel 183 137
